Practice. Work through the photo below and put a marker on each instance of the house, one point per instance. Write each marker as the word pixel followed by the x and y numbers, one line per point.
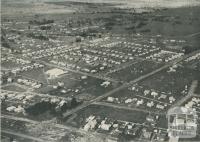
pixel 61 103
pixel 129 126
pixel 146 92
pixel 29 97
pixel 38 86
pixel 105 126
pixel 11 108
pixel 86 70
pixel 150 104
pixel 11 95
pixel 161 136
pixel 140 102
pixel 105 83
pixel 196 100
pixel 154 94
pixel 61 84
pixel 9 80
pixel 102 68
pixel 162 96
pixel 90 125
pixel 150 118
pixel 19 109
pixel 110 99
pixel 172 99
pixel 115 125
pixel 54 100
pixel 84 77
pixel 133 88
pixel 128 101
pixel 20 96
pixel 160 106
pixel 63 91
pixel 93 71
pixel 146 134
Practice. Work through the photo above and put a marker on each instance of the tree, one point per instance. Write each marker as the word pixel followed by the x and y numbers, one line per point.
pixel 73 102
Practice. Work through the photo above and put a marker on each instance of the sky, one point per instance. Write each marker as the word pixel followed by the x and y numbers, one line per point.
pixel 131 3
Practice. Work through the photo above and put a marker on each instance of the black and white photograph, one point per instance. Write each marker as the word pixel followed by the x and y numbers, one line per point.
pixel 100 71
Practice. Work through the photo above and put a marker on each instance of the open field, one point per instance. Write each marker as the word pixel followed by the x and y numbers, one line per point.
pixel 173 82
pixel 135 70
pixel 14 88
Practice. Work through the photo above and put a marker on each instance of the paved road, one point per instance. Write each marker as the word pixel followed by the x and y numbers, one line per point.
pixel 194 34
pixel 22 135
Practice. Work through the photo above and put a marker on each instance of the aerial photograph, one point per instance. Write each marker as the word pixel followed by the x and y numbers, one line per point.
pixel 100 71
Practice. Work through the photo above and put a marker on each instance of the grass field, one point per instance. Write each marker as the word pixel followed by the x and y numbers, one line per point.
pixel 13 88
pixel 35 74
pixel 135 70
pixel 174 82
pixel 111 113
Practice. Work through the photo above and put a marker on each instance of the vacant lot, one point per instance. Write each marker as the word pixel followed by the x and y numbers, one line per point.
pixel 13 88
pixel 134 71
pixel 172 82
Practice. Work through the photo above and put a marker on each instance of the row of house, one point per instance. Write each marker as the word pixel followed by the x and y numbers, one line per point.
pixel 15 60
pixel 27 67
pixel 116 126
pixel 153 94
pixel 194 102
pixel 50 51
pixel 138 102
pixel 194 57
pixel 165 56
pixel 28 82
pixel 23 100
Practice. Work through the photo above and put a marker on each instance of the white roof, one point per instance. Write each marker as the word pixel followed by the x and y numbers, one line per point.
pixel 105 126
